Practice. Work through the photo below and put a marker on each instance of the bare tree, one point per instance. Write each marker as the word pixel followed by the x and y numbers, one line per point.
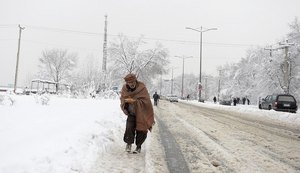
pixel 88 78
pixel 294 29
pixel 129 57
pixel 56 65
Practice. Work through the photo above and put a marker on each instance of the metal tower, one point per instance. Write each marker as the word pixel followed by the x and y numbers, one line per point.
pixel 105 46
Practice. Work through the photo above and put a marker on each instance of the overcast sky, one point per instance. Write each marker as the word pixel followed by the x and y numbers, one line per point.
pixel 241 24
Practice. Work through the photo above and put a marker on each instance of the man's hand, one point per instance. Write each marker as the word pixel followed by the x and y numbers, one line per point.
pixel 125 112
pixel 129 100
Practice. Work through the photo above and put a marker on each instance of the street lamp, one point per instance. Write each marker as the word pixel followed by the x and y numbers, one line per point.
pixel 182 80
pixel 172 80
pixel 201 31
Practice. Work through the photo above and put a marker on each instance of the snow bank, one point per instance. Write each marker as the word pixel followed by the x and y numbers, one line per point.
pixel 63 136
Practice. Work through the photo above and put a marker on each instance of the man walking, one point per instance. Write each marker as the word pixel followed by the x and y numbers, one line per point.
pixel 215 99
pixel 155 98
pixel 136 104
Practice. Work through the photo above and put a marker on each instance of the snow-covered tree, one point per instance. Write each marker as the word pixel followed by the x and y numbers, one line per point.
pixel 134 56
pixel 88 78
pixel 294 29
pixel 259 74
pixel 294 57
pixel 56 65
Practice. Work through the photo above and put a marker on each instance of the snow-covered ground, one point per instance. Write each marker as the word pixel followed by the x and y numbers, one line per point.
pixel 67 135
pixel 64 136
pixel 252 110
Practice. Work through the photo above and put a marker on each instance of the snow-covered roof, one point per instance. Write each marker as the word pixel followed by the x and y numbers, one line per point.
pixel 43 81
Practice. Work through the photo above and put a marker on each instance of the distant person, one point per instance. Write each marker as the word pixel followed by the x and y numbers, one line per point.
pixel 188 97
pixel 93 95
pixel 136 104
pixel 244 100
pixel 156 97
pixel 234 101
pixel 248 101
pixel 238 100
pixel 215 99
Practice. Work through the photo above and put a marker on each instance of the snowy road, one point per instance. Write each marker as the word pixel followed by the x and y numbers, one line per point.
pixel 219 141
pixel 188 138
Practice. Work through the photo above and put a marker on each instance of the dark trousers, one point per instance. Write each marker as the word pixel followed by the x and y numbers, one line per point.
pixel 131 133
pixel 155 102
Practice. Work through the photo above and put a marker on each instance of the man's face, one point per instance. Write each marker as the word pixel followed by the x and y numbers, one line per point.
pixel 131 84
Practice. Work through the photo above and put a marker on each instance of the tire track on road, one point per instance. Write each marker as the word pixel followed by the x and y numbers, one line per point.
pixel 236 144
pixel 199 157
pixel 175 160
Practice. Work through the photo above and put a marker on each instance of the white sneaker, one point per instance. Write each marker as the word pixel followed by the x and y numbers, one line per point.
pixel 128 148
pixel 137 150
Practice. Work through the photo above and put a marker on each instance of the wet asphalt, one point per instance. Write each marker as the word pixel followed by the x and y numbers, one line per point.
pixel 174 157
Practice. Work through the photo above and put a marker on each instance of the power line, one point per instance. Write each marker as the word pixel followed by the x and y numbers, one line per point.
pixel 8 39
pixel 197 42
pixel 8 26
pixel 62 30
pixel 53 44
pixel 146 38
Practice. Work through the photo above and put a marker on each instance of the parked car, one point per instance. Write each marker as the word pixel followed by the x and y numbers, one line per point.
pixel 168 97
pixel 173 98
pixel 225 102
pixel 201 100
pixel 279 102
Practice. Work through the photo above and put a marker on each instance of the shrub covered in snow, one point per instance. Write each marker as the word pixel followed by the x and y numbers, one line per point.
pixel 42 99
pixel 109 94
pixel 6 99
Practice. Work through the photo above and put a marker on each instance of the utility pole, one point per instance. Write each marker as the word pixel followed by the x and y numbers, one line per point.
pixel 182 78
pixel 172 83
pixel 160 82
pixel 270 49
pixel 105 46
pixel 219 85
pixel 18 55
pixel 206 88
pixel 104 60
pixel 286 64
